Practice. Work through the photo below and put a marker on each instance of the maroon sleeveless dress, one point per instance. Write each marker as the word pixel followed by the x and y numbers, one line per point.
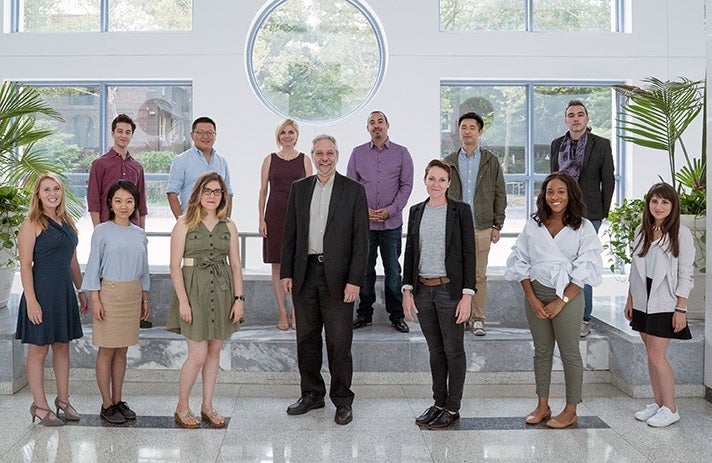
pixel 281 175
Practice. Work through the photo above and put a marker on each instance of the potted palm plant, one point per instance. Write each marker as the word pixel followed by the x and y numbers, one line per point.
pixel 20 164
pixel 658 115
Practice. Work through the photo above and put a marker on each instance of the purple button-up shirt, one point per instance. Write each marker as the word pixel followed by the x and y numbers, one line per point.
pixel 107 169
pixel 387 176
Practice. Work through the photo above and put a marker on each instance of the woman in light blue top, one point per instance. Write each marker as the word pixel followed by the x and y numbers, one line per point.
pixel 556 254
pixel 117 277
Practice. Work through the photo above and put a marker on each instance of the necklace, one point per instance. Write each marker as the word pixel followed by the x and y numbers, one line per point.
pixel 656 228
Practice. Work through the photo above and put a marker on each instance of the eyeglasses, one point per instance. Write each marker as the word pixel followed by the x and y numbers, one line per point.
pixel 209 133
pixel 209 192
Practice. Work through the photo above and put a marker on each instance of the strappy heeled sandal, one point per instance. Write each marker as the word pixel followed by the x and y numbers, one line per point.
pixel 70 413
pixel 48 419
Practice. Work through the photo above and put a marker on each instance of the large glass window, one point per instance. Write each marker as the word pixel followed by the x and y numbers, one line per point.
pixel 102 15
pixel 531 15
pixel 521 120
pixel 315 60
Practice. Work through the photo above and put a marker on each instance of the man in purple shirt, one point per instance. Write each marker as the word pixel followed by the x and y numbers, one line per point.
pixel 117 164
pixel 385 169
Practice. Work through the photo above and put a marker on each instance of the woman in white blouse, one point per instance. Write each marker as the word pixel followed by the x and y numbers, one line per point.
pixel 660 282
pixel 556 254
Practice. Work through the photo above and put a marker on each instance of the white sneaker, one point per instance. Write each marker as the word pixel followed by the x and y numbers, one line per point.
pixel 648 412
pixel 585 329
pixel 664 417
pixel 478 328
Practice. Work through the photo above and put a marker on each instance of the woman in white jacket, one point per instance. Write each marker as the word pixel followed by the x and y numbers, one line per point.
pixel 659 284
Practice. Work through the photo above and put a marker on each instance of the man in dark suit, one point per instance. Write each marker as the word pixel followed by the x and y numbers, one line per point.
pixel 588 158
pixel 324 254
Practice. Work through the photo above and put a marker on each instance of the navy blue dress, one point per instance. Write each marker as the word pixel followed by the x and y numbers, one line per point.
pixel 52 275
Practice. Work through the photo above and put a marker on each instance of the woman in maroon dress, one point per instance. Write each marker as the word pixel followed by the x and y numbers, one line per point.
pixel 279 170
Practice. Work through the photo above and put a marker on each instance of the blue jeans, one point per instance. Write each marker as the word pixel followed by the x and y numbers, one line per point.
pixel 588 289
pixel 389 242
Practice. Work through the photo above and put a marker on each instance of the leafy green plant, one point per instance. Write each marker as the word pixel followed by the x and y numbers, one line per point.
pixel 13 208
pixel 656 116
pixel 618 238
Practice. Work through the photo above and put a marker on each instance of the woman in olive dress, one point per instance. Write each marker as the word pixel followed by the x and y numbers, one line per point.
pixel 208 302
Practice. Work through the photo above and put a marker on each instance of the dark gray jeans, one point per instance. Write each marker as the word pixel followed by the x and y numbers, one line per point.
pixel 448 363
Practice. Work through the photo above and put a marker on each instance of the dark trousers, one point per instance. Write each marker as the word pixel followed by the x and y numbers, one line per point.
pixel 389 243
pixel 316 309
pixel 445 338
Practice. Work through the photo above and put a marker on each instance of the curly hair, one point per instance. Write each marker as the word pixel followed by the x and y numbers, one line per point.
pixel 575 208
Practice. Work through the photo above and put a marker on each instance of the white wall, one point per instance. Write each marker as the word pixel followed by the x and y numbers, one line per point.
pixel 667 40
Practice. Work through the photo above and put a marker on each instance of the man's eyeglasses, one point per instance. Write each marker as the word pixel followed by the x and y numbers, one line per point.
pixel 209 192
pixel 209 133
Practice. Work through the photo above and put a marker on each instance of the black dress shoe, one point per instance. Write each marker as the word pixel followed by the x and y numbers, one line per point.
pixel 444 420
pixel 360 322
pixel 112 415
pixel 400 325
pixel 344 415
pixel 304 404
pixel 428 416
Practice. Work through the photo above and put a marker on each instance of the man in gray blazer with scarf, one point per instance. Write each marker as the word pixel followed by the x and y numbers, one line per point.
pixel 588 158
pixel 324 254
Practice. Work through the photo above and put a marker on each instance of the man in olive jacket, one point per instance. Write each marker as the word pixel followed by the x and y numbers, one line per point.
pixel 477 179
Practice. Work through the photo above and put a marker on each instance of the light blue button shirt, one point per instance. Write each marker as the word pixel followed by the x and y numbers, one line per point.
pixel 188 166
pixel 469 168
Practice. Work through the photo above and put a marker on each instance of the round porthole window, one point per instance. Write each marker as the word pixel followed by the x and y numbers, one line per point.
pixel 315 60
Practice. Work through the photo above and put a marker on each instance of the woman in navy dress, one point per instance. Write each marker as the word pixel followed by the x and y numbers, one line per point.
pixel 48 314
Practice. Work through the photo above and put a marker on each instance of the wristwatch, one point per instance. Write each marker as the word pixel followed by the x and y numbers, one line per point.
pixel 565 299
pixel 240 298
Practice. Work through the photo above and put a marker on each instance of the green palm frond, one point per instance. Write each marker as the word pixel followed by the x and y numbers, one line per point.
pixel 657 115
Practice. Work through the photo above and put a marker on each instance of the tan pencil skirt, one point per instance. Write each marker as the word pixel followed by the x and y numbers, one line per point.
pixel 122 314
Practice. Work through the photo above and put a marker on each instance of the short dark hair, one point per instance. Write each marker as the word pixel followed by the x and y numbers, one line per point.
pixel 203 120
pixel 575 209
pixel 437 163
pixel 385 118
pixel 576 103
pixel 122 185
pixel 123 118
pixel 472 115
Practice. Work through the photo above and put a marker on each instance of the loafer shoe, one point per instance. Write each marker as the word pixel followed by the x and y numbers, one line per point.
pixel 536 418
pixel 585 329
pixel 664 417
pixel 124 409
pixel 112 415
pixel 558 424
pixel 344 414
pixel 444 420
pixel 304 404
pixel 360 322
pixel 400 325
pixel 478 328
pixel 428 415
pixel 648 412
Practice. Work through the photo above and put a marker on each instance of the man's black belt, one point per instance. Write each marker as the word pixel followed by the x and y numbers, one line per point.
pixel 318 258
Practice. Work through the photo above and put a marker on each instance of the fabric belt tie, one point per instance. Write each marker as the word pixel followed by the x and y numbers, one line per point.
pixel 437 281
pixel 316 258
pixel 220 277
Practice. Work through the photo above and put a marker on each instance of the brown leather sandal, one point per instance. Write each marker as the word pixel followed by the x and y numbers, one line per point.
pixel 213 418
pixel 183 417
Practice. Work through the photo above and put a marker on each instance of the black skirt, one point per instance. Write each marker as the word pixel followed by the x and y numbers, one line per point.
pixel 657 324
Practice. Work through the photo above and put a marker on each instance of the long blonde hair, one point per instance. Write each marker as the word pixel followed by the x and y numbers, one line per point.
pixel 36 213
pixel 194 212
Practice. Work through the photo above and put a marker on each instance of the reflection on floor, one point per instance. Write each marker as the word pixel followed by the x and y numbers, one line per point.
pixel 383 430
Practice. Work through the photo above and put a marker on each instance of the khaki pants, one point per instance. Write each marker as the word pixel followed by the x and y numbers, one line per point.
pixel 483 241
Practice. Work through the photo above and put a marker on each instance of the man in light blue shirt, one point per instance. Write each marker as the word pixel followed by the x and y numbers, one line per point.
pixel 189 165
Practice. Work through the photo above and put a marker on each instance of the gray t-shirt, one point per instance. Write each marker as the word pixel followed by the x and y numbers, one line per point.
pixel 432 242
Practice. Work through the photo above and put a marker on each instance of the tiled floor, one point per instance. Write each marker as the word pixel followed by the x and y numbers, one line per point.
pixel 383 430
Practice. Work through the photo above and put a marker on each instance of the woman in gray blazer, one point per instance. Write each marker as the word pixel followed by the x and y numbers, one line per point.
pixel 660 282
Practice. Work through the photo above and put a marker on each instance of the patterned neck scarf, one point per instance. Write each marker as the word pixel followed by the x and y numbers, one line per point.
pixel 571 153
